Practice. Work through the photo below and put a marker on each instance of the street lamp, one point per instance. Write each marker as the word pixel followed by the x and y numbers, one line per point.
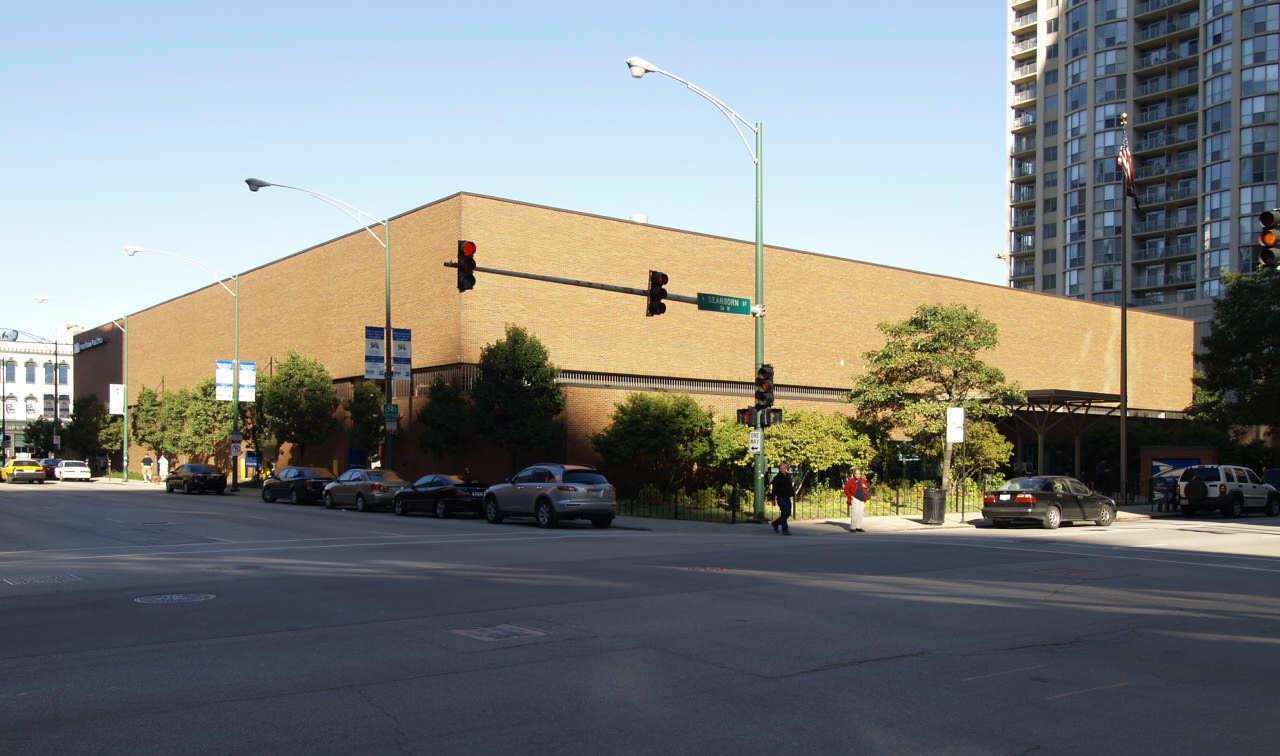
pixel 639 67
pixel 132 250
pixel 124 429
pixel 367 221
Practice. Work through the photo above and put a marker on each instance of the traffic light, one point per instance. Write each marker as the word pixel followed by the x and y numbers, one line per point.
pixel 466 265
pixel 655 305
pixel 764 387
pixel 1269 239
pixel 747 416
pixel 771 416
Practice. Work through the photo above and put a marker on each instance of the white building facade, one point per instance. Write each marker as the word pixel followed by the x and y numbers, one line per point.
pixel 36 380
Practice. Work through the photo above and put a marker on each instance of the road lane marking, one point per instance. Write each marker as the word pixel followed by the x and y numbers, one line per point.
pixel 1006 672
pixel 1112 686
pixel 239 550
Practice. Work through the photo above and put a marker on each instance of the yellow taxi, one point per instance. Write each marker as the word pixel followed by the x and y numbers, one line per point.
pixel 22 469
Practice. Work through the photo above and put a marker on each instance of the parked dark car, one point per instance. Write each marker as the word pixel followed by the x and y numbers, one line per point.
pixel 49 466
pixel 300 485
pixel 363 488
pixel 193 478
pixel 551 492
pixel 1049 500
pixel 441 495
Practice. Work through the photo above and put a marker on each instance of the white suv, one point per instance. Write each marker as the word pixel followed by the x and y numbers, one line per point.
pixel 1230 489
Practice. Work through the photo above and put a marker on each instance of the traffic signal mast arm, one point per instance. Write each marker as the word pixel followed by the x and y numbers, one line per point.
pixel 578 282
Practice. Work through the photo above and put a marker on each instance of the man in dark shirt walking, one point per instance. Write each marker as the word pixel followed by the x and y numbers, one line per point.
pixel 783 491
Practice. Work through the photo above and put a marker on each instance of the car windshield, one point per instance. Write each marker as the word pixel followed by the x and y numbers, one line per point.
pixel 384 476
pixel 1207 474
pixel 313 472
pixel 200 469
pixel 74 464
pixel 585 477
pixel 1026 484
pixel 451 480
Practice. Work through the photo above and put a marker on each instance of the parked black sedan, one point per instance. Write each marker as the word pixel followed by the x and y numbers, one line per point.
pixel 299 485
pixel 193 478
pixel 1049 499
pixel 441 495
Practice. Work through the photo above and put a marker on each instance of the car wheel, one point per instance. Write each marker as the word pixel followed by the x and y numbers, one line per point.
pixel 295 498
pixel 491 511
pixel 1052 518
pixel 1232 508
pixel 1273 507
pixel 168 488
pixel 442 509
pixel 1106 516
pixel 601 522
pixel 328 500
pixel 186 488
pixel 545 514
pixel 397 506
pixel 268 495
pixel 360 505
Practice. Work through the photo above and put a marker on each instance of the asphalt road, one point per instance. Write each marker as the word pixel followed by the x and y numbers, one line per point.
pixel 338 632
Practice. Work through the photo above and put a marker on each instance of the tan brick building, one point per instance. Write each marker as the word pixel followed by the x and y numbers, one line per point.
pixel 822 313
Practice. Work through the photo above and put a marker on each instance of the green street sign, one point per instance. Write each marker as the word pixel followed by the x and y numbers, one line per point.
pixel 722 303
pixel 390 411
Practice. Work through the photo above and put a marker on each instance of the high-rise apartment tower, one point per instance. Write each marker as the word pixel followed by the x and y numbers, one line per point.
pixel 1200 82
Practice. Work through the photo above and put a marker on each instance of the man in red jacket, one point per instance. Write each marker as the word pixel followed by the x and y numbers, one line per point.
pixel 856 492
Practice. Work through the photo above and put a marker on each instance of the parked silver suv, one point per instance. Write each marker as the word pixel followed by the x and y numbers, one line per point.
pixel 551 492
pixel 1229 489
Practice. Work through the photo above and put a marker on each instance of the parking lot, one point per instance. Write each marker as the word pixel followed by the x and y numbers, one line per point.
pixel 137 622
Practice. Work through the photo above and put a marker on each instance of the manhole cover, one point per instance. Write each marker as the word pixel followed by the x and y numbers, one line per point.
pixel 174 598
pixel 498 633
pixel 43 579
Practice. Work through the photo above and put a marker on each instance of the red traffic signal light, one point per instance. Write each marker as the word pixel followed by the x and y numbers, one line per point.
pixel 764 387
pixel 656 293
pixel 1269 239
pixel 466 265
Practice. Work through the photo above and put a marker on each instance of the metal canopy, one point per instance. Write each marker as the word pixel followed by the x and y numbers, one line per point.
pixel 1046 408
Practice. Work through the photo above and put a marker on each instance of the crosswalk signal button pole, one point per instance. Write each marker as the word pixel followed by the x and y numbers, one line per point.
pixel 1269 239
pixel 466 265
pixel 656 293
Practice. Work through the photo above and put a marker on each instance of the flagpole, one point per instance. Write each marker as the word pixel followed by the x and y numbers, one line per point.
pixel 1130 187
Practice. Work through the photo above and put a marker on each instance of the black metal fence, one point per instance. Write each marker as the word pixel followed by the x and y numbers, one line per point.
pixel 731 505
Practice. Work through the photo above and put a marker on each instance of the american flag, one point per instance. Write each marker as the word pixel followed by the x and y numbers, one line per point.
pixel 1125 161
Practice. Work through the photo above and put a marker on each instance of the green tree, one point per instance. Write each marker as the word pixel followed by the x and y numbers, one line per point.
pixel 1240 384
pixel 82 433
pixel 656 439
pixel 516 395
pixel 110 437
pixel 148 429
pixel 984 452
pixel 447 419
pixel 930 362
pixel 367 423
pixel 39 436
pixel 254 425
pixel 299 401
pixel 206 422
pixel 813 443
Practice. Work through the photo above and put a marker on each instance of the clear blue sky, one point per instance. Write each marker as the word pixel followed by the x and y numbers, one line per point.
pixel 136 123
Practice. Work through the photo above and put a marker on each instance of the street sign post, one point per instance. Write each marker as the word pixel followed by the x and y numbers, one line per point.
pixel 390 411
pixel 115 398
pixel 754 439
pixel 236 448
pixel 723 303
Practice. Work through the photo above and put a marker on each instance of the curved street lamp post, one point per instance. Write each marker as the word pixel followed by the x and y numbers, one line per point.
pixel 367 221
pixel 639 67
pixel 132 250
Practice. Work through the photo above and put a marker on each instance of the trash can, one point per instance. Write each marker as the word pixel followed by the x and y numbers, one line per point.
pixel 935 506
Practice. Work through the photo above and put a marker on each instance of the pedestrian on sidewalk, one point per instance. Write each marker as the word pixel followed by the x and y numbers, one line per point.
pixel 856 492
pixel 783 490
pixel 146 468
